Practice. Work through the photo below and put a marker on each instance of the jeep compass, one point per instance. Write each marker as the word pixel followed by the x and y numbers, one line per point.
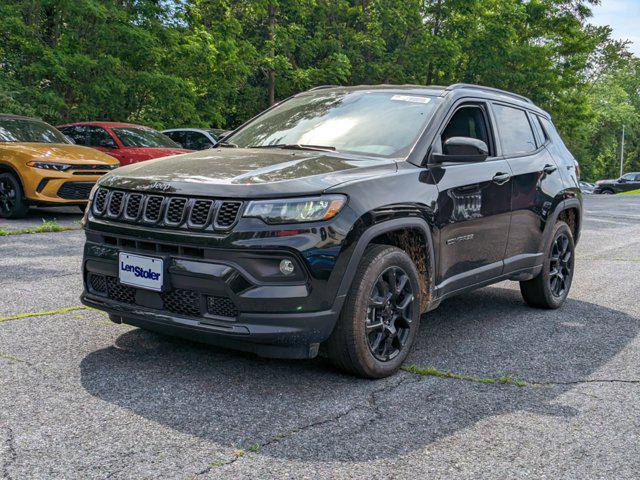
pixel 332 221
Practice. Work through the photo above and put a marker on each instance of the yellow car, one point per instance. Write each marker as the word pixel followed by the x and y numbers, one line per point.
pixel 40 166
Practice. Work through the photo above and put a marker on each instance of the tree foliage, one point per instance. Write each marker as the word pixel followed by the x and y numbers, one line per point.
pixel 218 62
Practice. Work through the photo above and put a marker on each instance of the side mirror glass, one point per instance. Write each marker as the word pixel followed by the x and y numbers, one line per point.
pixel 462 149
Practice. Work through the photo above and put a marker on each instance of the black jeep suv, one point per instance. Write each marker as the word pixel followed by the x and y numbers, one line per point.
pixel 330 222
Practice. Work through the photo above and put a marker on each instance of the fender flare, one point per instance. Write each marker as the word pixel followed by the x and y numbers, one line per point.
pixel 553 218
pixel 366 238
pixel 7 168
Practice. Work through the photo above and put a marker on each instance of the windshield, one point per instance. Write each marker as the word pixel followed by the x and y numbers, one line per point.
pixel 143 137
pixel 28 130
pixel 375 123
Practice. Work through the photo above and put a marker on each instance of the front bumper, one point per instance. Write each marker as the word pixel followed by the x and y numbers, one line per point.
pixel 218 296
pixel 48 187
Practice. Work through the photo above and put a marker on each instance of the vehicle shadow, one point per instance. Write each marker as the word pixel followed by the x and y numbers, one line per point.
pixel 237 399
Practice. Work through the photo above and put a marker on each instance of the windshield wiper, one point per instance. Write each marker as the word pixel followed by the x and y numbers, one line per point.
pixel 224 144
pixel 297 146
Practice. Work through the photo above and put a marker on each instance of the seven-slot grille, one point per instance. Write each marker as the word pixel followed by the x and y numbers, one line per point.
pixel 168 211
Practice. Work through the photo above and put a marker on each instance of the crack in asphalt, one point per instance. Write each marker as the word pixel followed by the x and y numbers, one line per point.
pixel 13 454
pixel 595 380
pixel 371 404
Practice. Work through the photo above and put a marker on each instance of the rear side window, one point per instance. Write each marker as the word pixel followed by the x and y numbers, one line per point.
pixel 516 135
pixel 77 133
pixel 99 137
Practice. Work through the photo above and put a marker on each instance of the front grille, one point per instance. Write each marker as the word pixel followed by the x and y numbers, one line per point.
pixel 119 292
pixel 152 208
pixel 184 302
pixel 175 210
pixel 134 201
pixel 166 210
pixel 116 201
pixel 97 283
pixel 227 214
pixel 180 301
pixel 100 201
pixel 75 190
pixel 221 307
pixel 200 212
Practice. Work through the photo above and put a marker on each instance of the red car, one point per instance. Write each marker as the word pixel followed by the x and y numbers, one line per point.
pixel 127 142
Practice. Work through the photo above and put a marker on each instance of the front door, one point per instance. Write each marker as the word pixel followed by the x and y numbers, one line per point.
pixel 473 210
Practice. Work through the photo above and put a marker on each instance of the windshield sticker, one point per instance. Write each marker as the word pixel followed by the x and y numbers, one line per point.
pixel 409 98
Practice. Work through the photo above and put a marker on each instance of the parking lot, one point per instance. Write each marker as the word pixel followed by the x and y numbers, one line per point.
pixel 538 394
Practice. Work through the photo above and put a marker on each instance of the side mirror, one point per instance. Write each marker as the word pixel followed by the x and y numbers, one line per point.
pixel 622 180
pixel 462 149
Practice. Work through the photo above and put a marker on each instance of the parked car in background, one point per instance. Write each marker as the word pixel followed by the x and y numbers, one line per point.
pixel 627 182
pixel 195 138
pixel 127 142
pixel 40 166
pixel 587 187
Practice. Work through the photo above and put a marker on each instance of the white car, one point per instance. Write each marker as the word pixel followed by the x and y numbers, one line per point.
pixel 195 138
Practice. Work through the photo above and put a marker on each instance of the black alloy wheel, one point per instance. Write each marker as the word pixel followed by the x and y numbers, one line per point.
pixel 389 314
pixel 8 196
pixel 560 265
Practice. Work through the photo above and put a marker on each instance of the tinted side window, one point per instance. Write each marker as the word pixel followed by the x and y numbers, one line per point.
pixel 516 135
pixel 178 137
pixel 468 121
pixel 99 137
pixel 638 178
pixel 197 141
pixel 76 133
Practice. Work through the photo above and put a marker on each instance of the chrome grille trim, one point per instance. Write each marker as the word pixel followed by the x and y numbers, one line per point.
pixel 179 212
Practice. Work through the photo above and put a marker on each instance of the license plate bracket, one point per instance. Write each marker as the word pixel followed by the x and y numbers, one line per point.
pixel 141 271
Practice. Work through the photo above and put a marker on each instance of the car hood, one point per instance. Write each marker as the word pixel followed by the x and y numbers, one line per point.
pixel 608 181
pixel 153 152
pixel 57 152
pixel 247 173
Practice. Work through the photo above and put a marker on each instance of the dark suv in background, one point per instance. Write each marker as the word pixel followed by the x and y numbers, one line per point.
pixel 330 222
pixel 626 183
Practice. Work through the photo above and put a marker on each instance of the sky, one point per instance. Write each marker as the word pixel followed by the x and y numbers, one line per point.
pixel 624 17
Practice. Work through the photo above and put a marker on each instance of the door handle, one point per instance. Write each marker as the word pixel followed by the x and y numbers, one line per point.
pixel 501 178
pixel 549 168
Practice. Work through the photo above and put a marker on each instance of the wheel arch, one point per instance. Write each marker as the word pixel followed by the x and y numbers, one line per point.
pixel 570 212
pixel 6 168
pixel 402 233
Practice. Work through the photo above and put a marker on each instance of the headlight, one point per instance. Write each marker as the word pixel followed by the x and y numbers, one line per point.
pixel 296 210
pixel 59 167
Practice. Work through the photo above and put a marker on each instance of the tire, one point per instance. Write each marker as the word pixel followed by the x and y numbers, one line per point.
pixel 608 192
pixel 12 201
pixel 393 326
pixel 82 208
pixel 551 287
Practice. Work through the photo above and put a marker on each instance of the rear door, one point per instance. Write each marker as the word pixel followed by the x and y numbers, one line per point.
pixel 536 182
pixel 474 199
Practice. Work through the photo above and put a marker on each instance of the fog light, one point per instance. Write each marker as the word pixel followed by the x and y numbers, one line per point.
pixel 286 267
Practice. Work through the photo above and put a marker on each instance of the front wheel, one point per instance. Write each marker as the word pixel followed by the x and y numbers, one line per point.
pixel 551 287
pixel 12 202
pixel 381 315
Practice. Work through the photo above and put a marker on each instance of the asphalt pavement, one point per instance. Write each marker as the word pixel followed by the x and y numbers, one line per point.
pixel 539 394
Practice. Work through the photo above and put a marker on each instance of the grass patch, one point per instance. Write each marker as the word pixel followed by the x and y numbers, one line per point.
pixel 632 192
pixel 40 314
pixel 46 227
pixel 432 372
pixel 11 358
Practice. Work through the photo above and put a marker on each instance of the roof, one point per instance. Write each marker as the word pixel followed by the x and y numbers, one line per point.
pixel 18 117
pixel 459 90
pixel 201 130
pixel 105 124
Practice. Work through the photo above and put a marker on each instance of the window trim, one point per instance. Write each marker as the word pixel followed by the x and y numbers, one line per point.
pixel 538 149
pixel 482 104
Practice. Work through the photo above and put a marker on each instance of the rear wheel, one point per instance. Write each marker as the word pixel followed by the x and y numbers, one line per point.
pixel 381 315
pixel 608 191
pixel 551 287
pixel 12 201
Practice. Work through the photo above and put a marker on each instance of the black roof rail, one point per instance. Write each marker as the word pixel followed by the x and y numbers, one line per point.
pixel 471 86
